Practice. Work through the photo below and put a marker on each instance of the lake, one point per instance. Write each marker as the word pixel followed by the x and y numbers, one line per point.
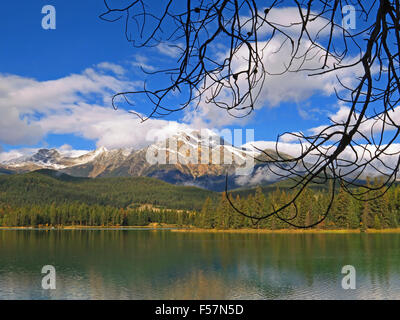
pixel 154 264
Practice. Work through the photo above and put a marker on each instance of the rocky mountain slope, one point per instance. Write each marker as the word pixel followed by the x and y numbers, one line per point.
pixel 187 158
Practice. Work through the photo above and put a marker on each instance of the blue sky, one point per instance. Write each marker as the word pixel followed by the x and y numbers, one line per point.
pixel 59 83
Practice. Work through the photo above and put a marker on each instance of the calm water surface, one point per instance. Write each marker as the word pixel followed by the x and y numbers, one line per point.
pixel 143 264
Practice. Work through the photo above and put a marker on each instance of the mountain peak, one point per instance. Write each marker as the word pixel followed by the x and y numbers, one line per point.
pixel 204 137
pixel 46 154
pixel 42 155
pixel 101 149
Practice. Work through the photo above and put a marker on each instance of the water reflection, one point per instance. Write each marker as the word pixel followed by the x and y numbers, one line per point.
pixel 169 265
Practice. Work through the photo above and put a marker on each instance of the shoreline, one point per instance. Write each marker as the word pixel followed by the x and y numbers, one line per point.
pixel 287 231
pixel 149 227
pixel 174 228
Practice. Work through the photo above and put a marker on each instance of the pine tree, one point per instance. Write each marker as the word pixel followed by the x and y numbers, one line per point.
pixel 340 209
pixel 224 214
pixel 53 214
pixel 238 220
pixel 207 215
pixel 304 205
pixel 377 223
pixel 259 207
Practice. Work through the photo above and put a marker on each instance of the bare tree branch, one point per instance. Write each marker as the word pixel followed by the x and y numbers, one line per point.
pixel 340 153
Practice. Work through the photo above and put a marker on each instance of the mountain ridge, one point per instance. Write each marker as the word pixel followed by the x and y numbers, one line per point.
pixel 178 151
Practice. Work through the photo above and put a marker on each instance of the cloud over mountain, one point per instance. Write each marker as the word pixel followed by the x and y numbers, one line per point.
pixel 78 104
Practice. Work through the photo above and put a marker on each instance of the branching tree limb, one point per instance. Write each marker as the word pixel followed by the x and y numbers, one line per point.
pixel 248 32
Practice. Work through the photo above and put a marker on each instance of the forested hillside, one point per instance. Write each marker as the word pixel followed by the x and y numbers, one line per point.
pixel 49 198
pixel 46 187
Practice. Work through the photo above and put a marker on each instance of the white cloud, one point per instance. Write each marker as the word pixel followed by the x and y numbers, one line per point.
pixel 115 68
pixel 16 153
pixel 208 115
pixel 361 154
pixel 292 149
pixel 142 62
pixel 282 84
pixel 77 104
pixel 260 175
pixel 279 85
pixel 170 50
pixel 370 127
pixel 291 85
pixel 24 102
pixel 289 21
pixel 68 151
pixel 109 128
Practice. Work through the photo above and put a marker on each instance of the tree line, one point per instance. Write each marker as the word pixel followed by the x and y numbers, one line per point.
pixel 346 212
pixel 81 214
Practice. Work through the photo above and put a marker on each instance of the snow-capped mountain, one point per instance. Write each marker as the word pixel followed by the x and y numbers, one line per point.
pixel 43 158
pixel 51 159
pixel 187 158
